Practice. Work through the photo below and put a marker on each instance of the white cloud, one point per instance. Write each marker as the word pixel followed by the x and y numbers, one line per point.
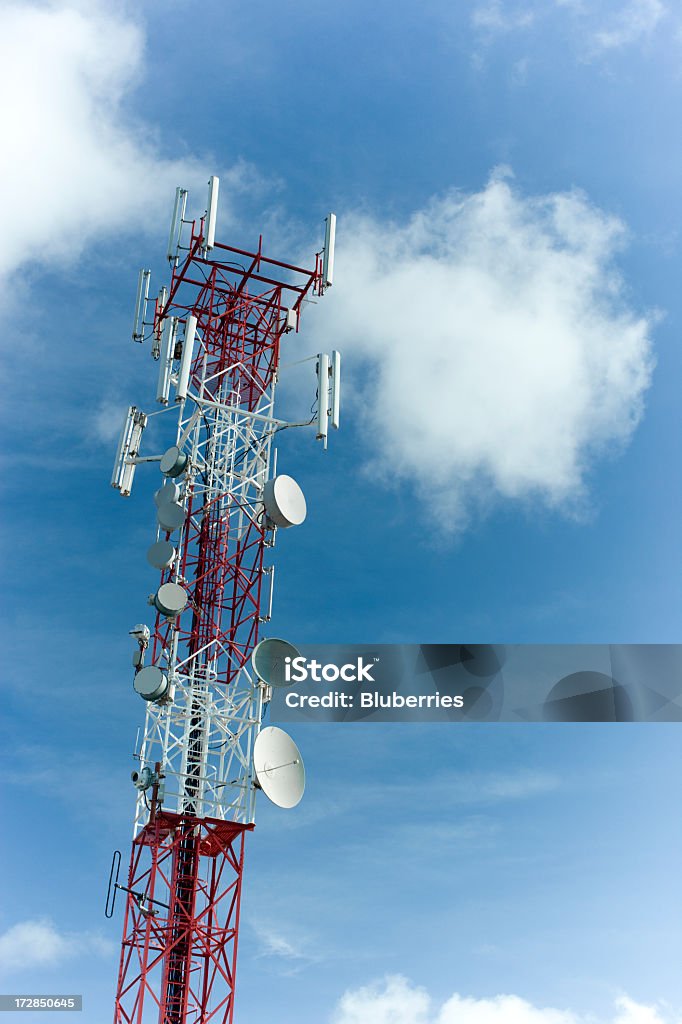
pixel 396 1001
pixel 597 30
pixel 107 421
pixel 289 954
pixel 493 16
pixel 38 943
pixel 500 354
pixel 633 22
pixel 275 944
pixel 77 163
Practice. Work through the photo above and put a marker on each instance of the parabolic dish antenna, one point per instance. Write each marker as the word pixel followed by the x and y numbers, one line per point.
pixel 173 462
pixel 169 492
pixel 161 555
pixel 279 767
pixel 151 683
pixel 284 501
pixel 171 599
pixel 171 516
pixel 268 661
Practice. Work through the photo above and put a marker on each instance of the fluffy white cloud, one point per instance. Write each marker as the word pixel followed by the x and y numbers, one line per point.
pixel 396 1001
pixel 38 943
pixel 499 352
pixel 76 162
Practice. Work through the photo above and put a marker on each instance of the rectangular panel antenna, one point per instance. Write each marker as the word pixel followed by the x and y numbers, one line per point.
pixel 290 320
pixel 328 257
pixel 176 223
pixel 166 359
pixel 128 449
pixel 141 304
pixel 323 397
pixel 336 389
pixel 211 212
pixel 186 358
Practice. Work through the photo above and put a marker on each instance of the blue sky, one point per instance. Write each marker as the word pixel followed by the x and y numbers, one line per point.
pixel 507 302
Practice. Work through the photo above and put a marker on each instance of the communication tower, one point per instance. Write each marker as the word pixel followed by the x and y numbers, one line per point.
pixel 201 667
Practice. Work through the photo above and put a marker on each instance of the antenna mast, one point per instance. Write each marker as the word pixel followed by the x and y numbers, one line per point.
pixel 216 333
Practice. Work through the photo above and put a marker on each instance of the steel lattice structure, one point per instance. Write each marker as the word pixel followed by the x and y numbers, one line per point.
pixel 181 920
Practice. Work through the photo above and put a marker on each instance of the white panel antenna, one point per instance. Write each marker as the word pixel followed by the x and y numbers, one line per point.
pixel 328 257
pixel 176 223
pixel 336 389
pixel 166 359
pixel 323 397
pixel 141 304
pixel 186 358
pixel 211 212
pixel 128 449
pixel 290 320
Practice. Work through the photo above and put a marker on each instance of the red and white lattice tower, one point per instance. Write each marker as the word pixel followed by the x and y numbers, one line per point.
pixel 216 334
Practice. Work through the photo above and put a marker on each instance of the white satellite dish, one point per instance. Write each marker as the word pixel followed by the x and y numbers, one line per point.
pixel 173 461
pixel 171 516
pixel 267 659
pixel 279 767
pixel 169 492
pixel 171 599
pixel 284 501
pixel 151 683
pixel 161 555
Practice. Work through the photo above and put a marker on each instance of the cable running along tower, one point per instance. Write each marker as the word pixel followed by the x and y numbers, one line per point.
pixel 201 668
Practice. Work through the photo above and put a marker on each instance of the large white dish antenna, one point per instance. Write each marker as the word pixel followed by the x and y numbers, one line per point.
pixel 171 516
pixel 168 492
pixel 161 555
pixel 151 683
pixel 173 461
pixel 279 767
pixel 171 599
pixel 284 501
pixel 267 659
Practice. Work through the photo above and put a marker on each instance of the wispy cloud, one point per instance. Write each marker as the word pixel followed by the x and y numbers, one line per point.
pixel 445 790
pixel 500 356
pixel 494 16
pixel 590 29
pixel 39 943
pixel 396 1001
pixel 290 953
pixel 634 22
